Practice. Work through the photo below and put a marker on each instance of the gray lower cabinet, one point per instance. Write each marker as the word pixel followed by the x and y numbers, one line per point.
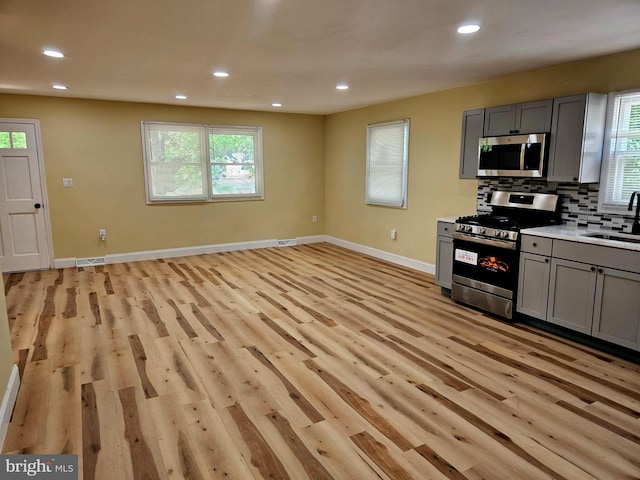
pixel 533 282
pixel 616 314
pixel 444 255
pixel 571 295
pixel 581 287
pixel 598 301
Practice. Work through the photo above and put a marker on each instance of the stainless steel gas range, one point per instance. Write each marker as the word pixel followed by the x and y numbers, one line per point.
pixel 487 249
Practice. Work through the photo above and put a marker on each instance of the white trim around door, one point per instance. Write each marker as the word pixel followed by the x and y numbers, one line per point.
pixel 44 249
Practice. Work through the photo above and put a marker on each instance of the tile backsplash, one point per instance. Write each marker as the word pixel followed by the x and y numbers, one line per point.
pixel 578 202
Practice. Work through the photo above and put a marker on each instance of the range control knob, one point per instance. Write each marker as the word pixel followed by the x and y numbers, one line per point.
pixel 469 228
pixel 505 234
pixel 497 233
pixel 483 230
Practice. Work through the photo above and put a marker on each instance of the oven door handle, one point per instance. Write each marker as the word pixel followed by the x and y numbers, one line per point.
pixel 485 241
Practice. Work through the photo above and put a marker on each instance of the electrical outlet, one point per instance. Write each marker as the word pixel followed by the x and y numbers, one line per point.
pixel 67 182
pixel 314 219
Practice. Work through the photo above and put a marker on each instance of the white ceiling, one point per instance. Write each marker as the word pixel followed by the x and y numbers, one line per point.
pixel 294 51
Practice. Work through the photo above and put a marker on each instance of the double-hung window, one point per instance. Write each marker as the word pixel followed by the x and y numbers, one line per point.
pixel 621 154
pixel 186 162
pixel 387 163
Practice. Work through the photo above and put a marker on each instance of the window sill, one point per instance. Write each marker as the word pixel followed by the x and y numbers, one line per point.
pixel 182 201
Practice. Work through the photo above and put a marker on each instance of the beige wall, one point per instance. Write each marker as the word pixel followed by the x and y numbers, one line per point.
pixel 98 144
pixel 434 188
pixel 314 165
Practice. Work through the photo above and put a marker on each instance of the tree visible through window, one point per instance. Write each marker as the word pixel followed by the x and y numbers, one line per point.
pixel 202 162
pixel 621 156
pixel 233 168
pixel 16 140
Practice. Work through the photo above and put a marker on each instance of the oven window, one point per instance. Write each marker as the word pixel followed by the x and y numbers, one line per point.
pixel 484 263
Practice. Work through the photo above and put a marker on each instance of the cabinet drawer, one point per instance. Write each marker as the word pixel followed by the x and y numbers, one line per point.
pixel 622 259
pixel 539 245
pixel 445 229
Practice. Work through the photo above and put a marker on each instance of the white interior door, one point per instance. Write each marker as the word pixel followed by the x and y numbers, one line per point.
pixel 24 243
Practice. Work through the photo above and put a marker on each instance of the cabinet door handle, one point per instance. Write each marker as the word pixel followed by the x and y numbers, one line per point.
pixel 600 270
pixel 546 260
pixel 593 269
pixel 575 179
pixel 446 229
pixel 534 244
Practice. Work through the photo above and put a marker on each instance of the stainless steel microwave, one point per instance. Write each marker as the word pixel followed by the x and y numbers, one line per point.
pixel 513 156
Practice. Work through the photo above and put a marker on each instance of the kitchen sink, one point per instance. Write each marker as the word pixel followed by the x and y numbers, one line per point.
pixel 618 237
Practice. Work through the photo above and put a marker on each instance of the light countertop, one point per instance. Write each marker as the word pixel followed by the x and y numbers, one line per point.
pixel 576 234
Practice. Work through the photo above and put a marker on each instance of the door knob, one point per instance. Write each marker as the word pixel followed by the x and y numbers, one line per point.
pixel 37 206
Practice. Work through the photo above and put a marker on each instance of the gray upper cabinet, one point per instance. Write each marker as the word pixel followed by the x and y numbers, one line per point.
pixel 577 133
pixel 472 125
pixel 521 118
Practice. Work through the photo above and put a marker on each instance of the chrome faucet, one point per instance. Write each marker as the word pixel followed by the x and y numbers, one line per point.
pixel 635 228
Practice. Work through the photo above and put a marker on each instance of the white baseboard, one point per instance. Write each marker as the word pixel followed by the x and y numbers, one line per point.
pixel 312 239
pixel 8 402
pixel 64 262
pixel 381 254
pixel 187 251
pixel 229 247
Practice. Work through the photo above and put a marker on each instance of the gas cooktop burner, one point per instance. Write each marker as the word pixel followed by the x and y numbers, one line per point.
pixel 511 212
pixel 486 248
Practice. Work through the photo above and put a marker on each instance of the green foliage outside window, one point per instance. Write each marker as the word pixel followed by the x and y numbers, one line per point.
pixel 179 164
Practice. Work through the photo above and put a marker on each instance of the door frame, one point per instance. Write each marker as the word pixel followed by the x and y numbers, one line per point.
pixel 43 181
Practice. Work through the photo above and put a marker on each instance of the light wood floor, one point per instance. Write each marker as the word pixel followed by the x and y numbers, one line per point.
pixel 304 362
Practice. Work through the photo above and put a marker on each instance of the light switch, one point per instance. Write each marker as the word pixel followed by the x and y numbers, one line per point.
pixel 67 182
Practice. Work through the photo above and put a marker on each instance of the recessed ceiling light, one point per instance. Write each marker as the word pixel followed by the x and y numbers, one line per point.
pixel 342 86
pixel 59 87
pixel 469 28
pixel 276 104
pixel 53 53
pixel 220 73
pixel 181 97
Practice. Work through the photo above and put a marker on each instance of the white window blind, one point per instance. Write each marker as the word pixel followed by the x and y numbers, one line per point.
pixel 621 153
pixel 387 162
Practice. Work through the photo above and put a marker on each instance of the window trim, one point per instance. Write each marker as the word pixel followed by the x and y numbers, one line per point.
pixel 621 209
pixel 405 164
pixel 205 162
pixel 257 162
